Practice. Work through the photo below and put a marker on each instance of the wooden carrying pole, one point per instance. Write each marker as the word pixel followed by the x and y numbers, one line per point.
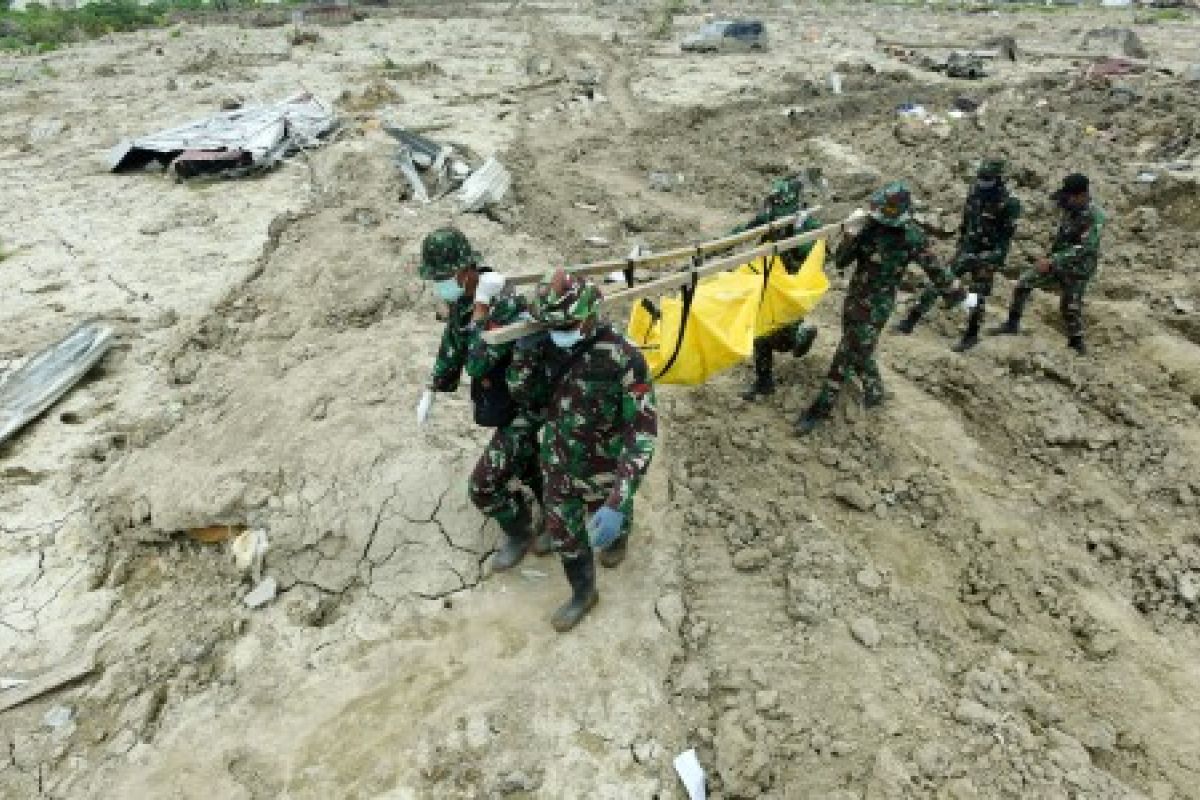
pixel 669 256
pixel 683 277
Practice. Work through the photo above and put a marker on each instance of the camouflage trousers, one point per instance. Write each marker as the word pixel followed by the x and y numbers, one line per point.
pixel 855 357
pixel 1071 288
pixel 568 506
pixel 796 339
pixel 981 277
pixel 509 461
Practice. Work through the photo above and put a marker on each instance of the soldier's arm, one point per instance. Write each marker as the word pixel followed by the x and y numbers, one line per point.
pixel 639 418
pixel 481 356
pixel 528 374
pixel 1008 229
pixel 451 355
pixel 759 219
pixel 1080 256
pixel 940 276
pixel 847 251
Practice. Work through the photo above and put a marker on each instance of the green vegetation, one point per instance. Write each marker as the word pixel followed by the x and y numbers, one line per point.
pixel 39 28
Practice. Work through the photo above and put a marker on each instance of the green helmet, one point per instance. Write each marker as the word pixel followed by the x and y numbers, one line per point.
pixel 785 194
pixel 562 299
pixel 443 253
pixel 892 204
pixel 991 168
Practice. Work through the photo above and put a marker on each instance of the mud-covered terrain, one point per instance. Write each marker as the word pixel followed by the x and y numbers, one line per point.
pixel 990 587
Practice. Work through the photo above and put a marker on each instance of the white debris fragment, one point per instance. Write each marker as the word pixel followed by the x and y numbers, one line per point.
pixel 12 683
pixel 58 716
pixel 262 594
pixel 249 550
pixel 687 765
pixel 487 185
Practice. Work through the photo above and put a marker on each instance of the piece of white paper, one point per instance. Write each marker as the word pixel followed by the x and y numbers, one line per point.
pixel 691 773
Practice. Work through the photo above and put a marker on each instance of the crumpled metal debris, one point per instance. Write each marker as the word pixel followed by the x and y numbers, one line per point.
pixel 234 142
pixel 26 393
pixel 486 186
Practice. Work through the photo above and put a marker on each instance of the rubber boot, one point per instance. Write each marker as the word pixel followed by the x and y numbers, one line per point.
pixel 970 336
pixel 581 574
pixel 909 323
pixel 810 419
pixel 517 536
pixel 1076 344
pixel 615 553
pixel 806 336
pixel 1012 325
pixel 764 380
pixel 873 397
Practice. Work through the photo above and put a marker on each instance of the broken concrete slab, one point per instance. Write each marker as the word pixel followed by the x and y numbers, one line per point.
pixel 47 376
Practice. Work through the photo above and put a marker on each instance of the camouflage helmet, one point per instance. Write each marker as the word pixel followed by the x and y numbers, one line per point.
pixel 563 299
pixel 443 253
pixel 892 204
pixel 991 169
pixel 785 193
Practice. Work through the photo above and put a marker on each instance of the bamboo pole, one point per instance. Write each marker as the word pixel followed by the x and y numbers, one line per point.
pixel 669 256
pixel 659 286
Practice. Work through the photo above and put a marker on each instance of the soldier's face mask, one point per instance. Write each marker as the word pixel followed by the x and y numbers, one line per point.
pixel 566 338
pixel 449 290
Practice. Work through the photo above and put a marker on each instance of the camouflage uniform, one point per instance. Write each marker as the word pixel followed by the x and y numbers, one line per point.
pixel 783 201
pixel 882 253
pixel 988 223
pixel 511 455
pixel 598 434
pixel 1073 259
pixel 599 430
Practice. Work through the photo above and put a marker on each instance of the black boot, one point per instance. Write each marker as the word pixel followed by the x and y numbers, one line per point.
pixel 970 336
pixel 806 335
pixel 764 380
pixel 873 397
pixel 615 553
pixel 517 536
pixel 1012 325
pixel 810 419
pixel 1076 344
pixel 909 323
pixel 581 573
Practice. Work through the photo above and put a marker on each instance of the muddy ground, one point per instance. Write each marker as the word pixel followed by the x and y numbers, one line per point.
pixel 988 588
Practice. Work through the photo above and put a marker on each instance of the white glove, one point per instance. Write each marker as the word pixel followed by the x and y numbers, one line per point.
pixel 424 406
pixel 970 302
pixel 490 284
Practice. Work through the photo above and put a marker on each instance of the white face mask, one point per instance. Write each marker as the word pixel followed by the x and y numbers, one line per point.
pixel 449 290
pixel 566 339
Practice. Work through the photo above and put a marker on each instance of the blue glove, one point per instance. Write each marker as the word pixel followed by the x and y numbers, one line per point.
pixel 604 527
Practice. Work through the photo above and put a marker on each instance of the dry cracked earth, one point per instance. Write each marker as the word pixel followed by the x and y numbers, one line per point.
pixel 988 588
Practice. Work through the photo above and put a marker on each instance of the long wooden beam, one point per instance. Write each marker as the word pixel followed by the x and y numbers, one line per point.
pixel 668 256
pixel 685 276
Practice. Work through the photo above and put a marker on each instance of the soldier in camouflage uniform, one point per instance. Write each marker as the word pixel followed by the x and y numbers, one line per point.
pixel 988 224
pixel 1071 264
pixel 783 200
pixel 881 252
pixel 478 301
pixel 599 431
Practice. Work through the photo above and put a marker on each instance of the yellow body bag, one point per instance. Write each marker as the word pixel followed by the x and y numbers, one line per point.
pixel 724 315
